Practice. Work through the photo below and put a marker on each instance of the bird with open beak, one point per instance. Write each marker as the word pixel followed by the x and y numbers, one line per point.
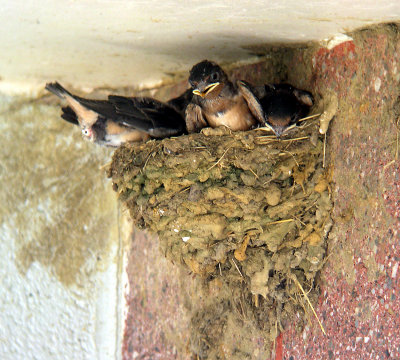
pixel 216 101
pixel 278 107
pixel 122 119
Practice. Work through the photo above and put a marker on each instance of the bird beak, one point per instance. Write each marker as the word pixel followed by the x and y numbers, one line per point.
pixel 207 90
pixel 197 92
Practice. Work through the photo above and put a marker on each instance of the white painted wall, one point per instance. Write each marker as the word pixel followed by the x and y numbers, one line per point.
pixel 42 319
pixel 131 42
pixel 57 207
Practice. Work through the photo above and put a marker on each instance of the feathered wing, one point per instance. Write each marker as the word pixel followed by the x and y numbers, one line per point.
pixel 194 118
pixel 156 118
pixel 253 102
pixel 69 115
pixel 86 111
pixel 147 114
pixel 181 102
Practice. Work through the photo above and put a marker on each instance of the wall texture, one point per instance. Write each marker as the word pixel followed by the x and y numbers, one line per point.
pixel 59 239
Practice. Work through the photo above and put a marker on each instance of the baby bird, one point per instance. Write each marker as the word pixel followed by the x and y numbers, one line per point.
pixel 277 106
pixel 216 101
pixel 121 119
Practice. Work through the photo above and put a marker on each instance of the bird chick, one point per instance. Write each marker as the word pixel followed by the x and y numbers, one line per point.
pixel 216 101
pixel 121 119
pixel 277 106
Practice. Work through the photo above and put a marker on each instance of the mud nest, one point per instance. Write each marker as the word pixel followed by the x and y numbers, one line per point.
pixel 241 203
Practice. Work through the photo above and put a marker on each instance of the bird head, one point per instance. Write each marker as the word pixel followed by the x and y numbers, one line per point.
pixel 205 77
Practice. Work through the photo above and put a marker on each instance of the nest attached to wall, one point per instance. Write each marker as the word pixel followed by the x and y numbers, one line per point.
pixel 246 201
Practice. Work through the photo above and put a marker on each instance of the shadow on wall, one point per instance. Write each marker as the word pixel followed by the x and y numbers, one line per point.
pixel 56 204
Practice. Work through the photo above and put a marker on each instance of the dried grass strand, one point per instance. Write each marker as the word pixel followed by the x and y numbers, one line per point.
pixel 279 221
pixel 219 160
pixel 309 117
pixel 237 268
pixel 309 302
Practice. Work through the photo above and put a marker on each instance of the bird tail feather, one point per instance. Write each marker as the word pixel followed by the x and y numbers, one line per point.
pixel 69 115
pixel 57 90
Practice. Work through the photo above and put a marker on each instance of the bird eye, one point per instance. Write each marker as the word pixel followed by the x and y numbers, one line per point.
pixel 86 132
pixel 214 76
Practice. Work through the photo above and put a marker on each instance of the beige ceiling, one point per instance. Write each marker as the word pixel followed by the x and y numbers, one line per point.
pixel 92 43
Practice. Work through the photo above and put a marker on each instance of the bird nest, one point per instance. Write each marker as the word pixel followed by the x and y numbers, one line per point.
pixel 227 202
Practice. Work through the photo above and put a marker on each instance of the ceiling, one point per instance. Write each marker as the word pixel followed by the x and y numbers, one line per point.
pixel 92 43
